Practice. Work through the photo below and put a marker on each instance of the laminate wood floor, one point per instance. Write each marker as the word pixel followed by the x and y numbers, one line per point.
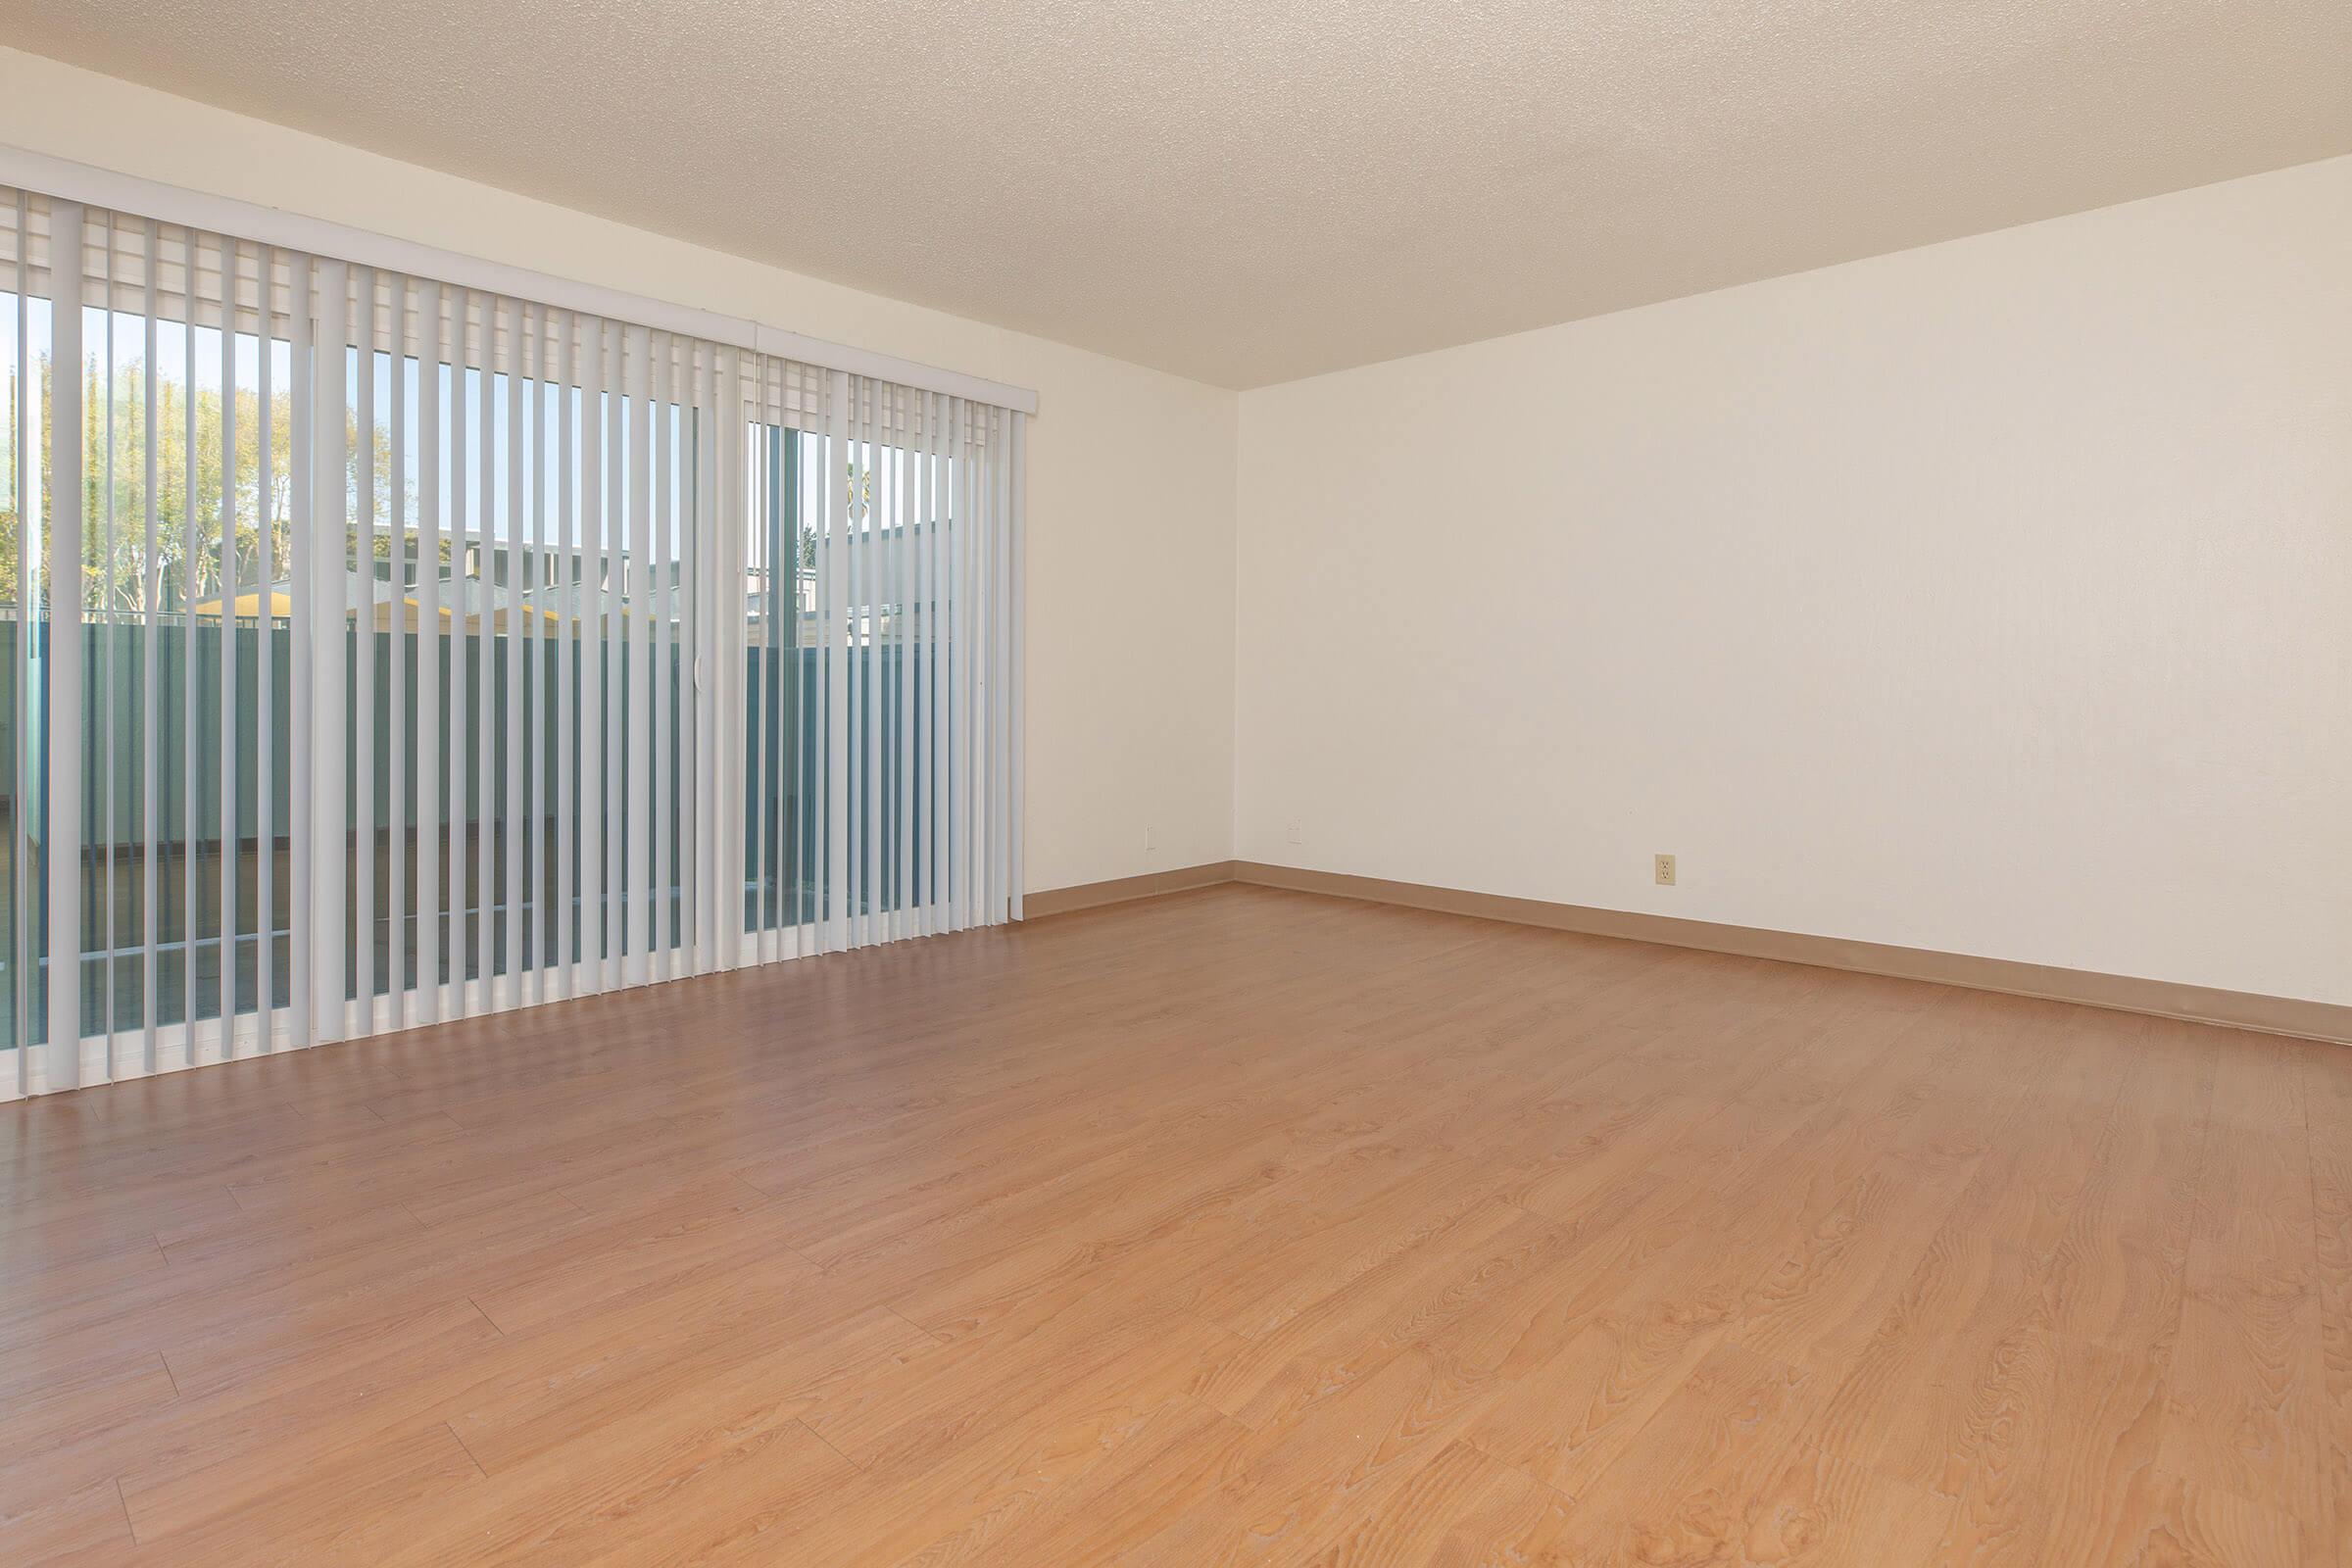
pixel 1237 1226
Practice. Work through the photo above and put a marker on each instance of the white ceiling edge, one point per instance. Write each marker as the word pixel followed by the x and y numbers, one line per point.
pixel 1974 236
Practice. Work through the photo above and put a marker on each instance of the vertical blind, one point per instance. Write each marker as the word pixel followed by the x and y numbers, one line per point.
pixel 382 651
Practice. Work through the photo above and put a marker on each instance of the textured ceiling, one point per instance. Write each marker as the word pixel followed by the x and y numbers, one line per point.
pixel 1246 191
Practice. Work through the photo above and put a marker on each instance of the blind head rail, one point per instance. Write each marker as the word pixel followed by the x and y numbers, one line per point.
pixel 70 180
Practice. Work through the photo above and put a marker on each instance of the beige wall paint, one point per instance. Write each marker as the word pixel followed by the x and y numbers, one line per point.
pixel 1993 598
pixel 1131 491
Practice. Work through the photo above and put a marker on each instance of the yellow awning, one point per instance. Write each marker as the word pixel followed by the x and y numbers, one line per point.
pixel 282 607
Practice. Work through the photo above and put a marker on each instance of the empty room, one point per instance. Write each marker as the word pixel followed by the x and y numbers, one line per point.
pixel 1304 783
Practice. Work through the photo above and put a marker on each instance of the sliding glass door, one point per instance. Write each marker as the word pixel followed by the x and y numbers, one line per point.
pixel 403 650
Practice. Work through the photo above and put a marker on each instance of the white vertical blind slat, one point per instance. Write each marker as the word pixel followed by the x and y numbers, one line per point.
pixel 464 607
pixel 151 648
pixel 760 679
pixel 801 700
pixel 225 742
pixel 64 572
pixel 514 891
pixel 991 725
pixel 616 672
pixel 363 643
pixel 23 439
pixel 984 769
pixel 635 545
pixel 303 504
pixel 190 554
pixel 976 557
pixel 799 705
pixel 485 736
pixel 265 749
pixel 713 550
pixel 833 545
pixel 546 627
pixel 935 665
pixel 918 632
pixel 853 804
pixel 103 700
pixel 950 667
pixel 431 974
pixel 568 606
pixel 876 549
pixel 960 644
pixel 327 596
pixel 901 685
pixel 524 646
pixel 875 604
pixel 971 650
pixel 700 554
pixel 595 537
pixel 1016 727
pixel 660 414
pixel 695 840
pixel 780 533
pixel 400 641
pixel 1000 752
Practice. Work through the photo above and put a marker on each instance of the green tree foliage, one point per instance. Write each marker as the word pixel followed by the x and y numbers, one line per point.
pixel 112 575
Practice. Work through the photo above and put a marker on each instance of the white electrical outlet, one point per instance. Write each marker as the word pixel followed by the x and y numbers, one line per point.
pixel 1662 867
pixel 1151 838
pixel 1294 835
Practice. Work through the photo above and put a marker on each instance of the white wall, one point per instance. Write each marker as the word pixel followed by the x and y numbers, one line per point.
pixel 1131 471
pixel 1994 597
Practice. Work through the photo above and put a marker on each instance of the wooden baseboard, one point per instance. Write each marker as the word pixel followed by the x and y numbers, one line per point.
pixel 2236 1010
pixel 1119 890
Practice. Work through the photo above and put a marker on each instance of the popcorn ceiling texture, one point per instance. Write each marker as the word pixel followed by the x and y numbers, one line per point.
pixel 1249 192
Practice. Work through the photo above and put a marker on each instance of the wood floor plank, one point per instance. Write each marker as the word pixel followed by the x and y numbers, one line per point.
pixel 1150 1477
pixel 351 1503
pixel 2327 1101
pixel 83 1525
pixel 1464 1506
pixel 1235 1226
pixel 1306 1485
pixel 2249 1395
pixel 1728 1469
